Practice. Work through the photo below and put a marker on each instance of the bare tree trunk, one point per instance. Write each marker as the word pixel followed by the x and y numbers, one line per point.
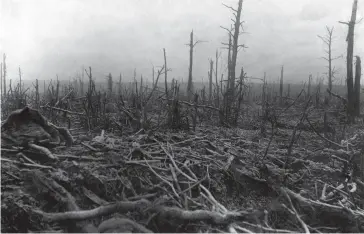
pixel 217 84
pixel 281 88
pixel 1 81
pixel 57 90
pixel 349 61
pixel 165 73
pixel 37 94
pixel 153 75
pixel 309 85
pixel 264 110
pixel 229 64
pixel 190 85
pixel 119 91
pixel 357 86
pixel 4 72
pixel 19 81
pixel 240 95
pixel 330 61
pixel 235 42
pixel 210 80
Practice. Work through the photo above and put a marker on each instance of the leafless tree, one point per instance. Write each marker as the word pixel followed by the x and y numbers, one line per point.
pixel 281 88
pixel 233 49
pixel 4 73
pixel 192 45
pixel 210 79
pixel 328 39
pixel 349 60
pixel 357 86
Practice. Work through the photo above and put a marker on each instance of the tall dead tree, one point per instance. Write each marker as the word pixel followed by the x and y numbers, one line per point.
pixel 165 73
pixel 357 86
pixel 234 47
pixel 281 88
pixel 309 86
pixel 4 72
pixel 327 39
pixel 192 45
pixel 210 80
pixel 109 84
pixel 119 90
pixel 1 80
pixel 153 75
pixel 349 60
pixel 19 80
pixel 217 84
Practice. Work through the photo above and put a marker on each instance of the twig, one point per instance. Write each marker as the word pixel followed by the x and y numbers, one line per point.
pixel 27 164
pixel 296 213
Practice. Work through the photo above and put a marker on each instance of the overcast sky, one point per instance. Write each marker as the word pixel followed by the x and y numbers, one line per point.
pixel 49 37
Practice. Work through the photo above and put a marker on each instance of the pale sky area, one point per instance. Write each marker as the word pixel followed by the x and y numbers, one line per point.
pixel 49 37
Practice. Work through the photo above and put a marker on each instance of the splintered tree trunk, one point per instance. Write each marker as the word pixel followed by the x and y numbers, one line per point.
pixel 1 80
pixel 281 88
pixel 165 73
pixel 241 95
pixel 230 85
pixel 357 86
pixel 19 81
pixel 330 61
pixel 217 84
pixel 264 112
pixel 119 91
pixel 4 72
pixel 349 61
pixel 37 93
pixel 109 84
pixel 235 44
pixel 152 75
pixel 309 86
pixel 189 85
pixel 210 81
pixel 229 63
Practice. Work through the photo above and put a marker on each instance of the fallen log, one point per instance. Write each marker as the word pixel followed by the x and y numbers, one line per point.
pixel 349 220
pixel 122 206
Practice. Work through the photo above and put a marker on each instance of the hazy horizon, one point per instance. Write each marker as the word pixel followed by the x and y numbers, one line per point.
pixel 49 37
